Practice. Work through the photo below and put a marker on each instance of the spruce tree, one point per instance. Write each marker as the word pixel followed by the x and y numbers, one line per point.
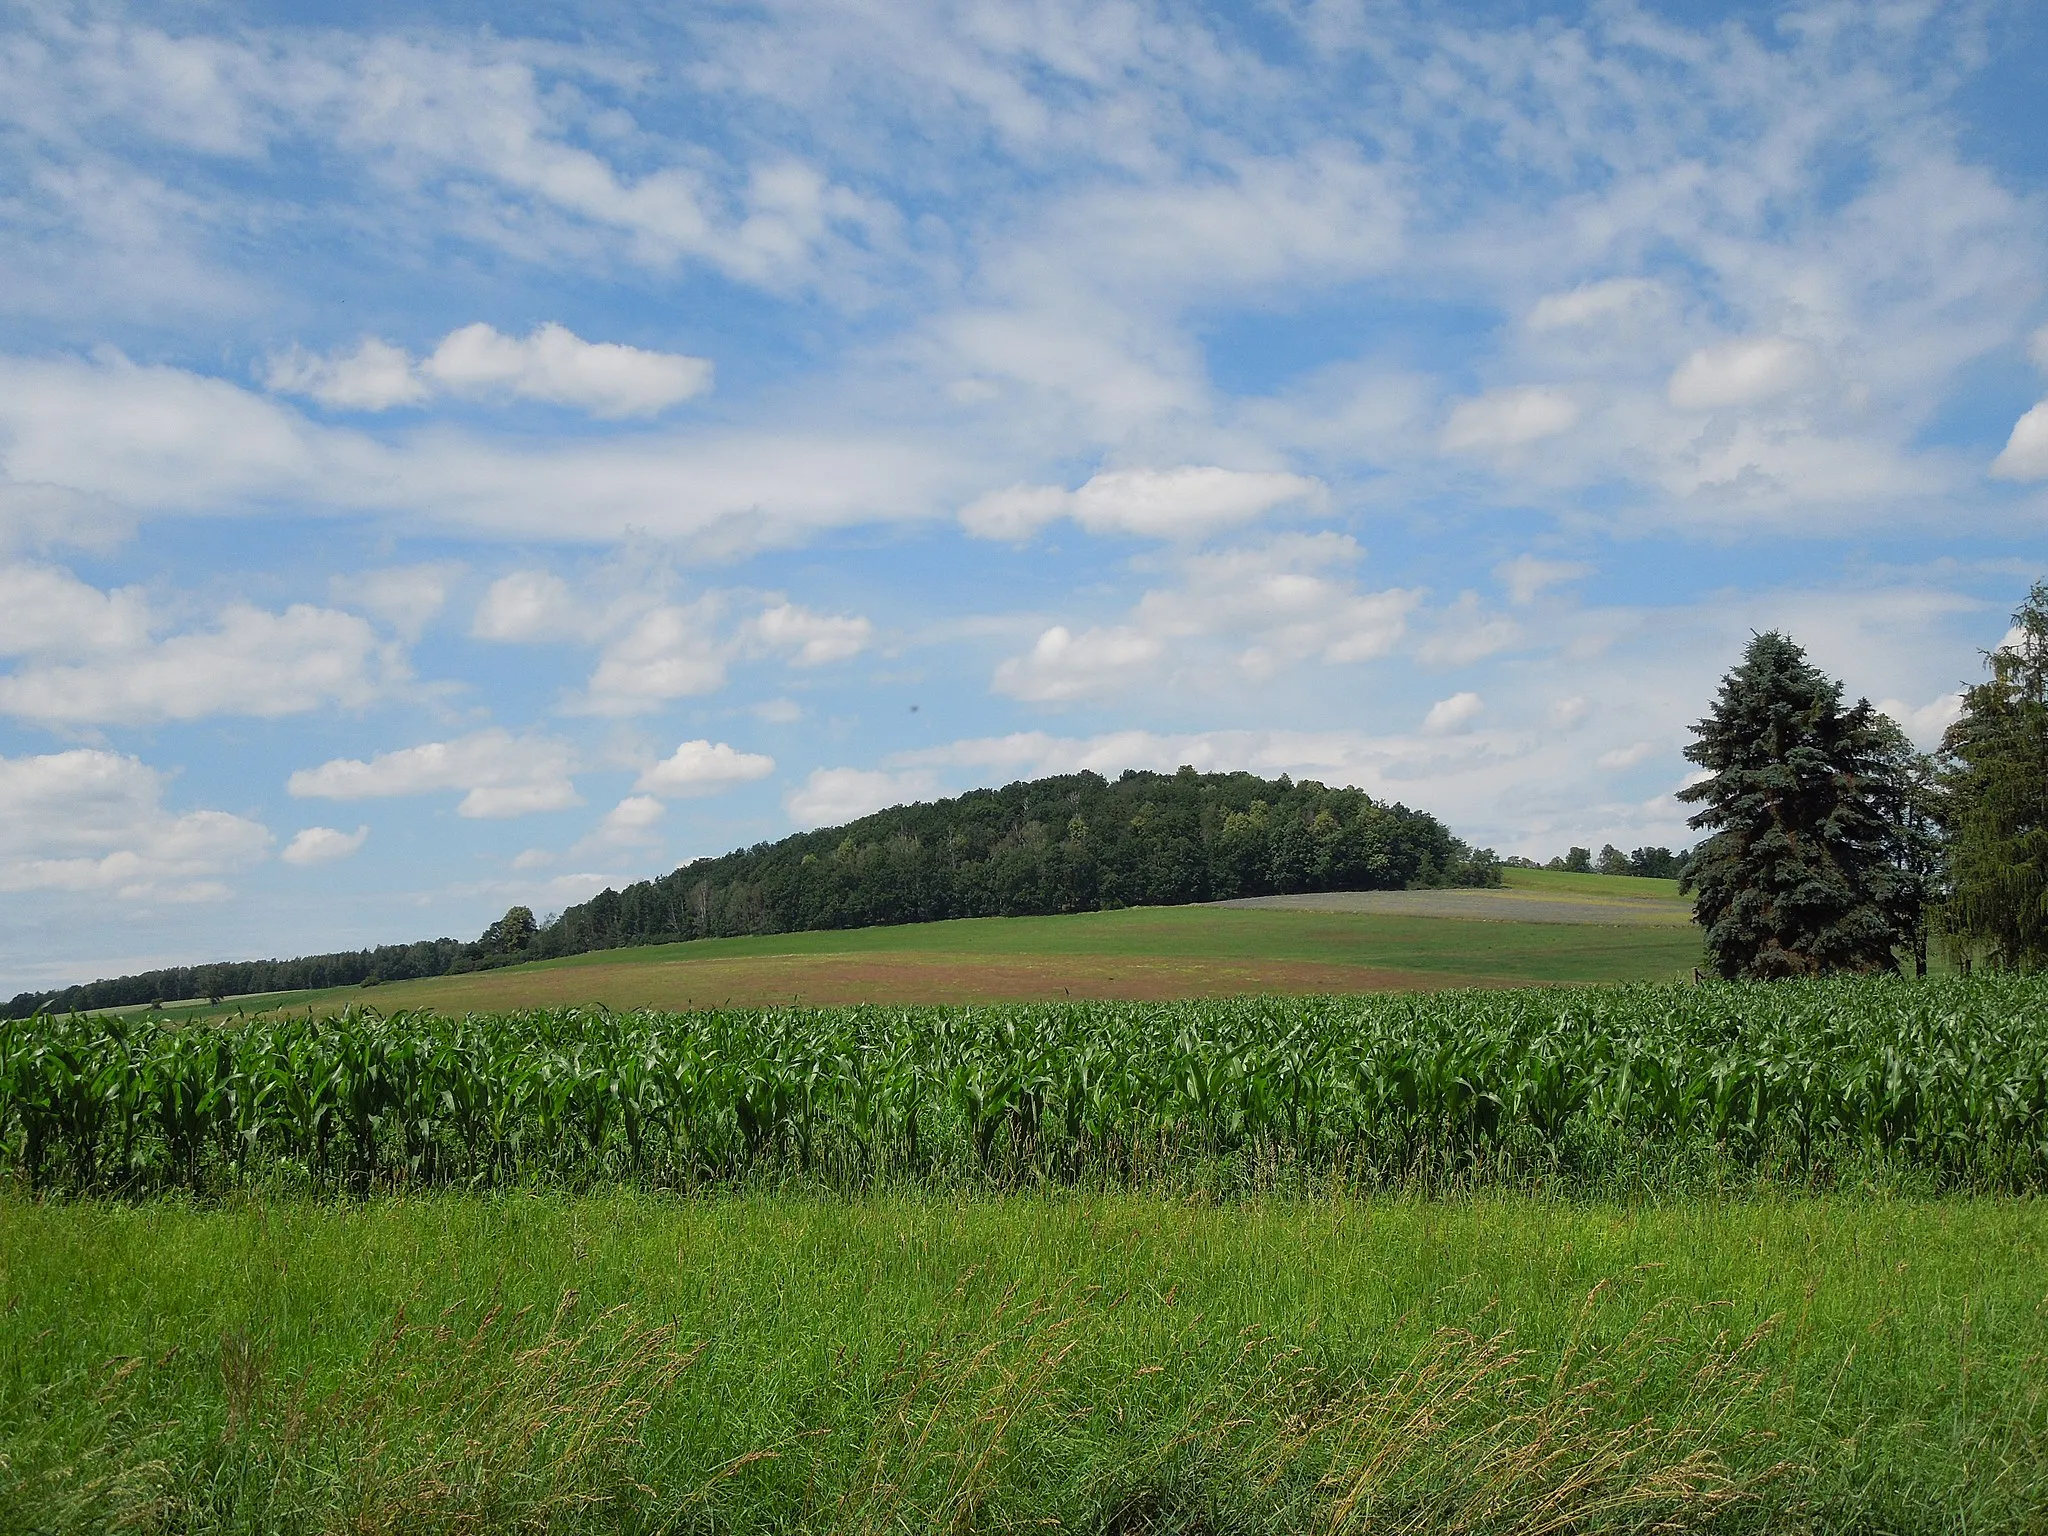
pixel 1796 876
pixel 1994 763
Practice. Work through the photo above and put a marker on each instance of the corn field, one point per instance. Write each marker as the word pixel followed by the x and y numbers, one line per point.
pixel 1798 1081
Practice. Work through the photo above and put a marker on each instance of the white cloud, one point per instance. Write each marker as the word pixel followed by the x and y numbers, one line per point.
pixel 374 377
pixel 777 711
pixel 1925 723
pixel 321 845
pixel 1527 577
pixel 1065 665
pixel 834 795
pixel 1453 714
pixel 1743 372
pixel 99 441
pixel 1591 302
pixel 813 639
pixel 556 365
pixel 2025 456
pixel 1625 757
pixel 629 824
pixel 498 774
pixel 1508 418
pixel 45 611
pixel 1016 513
pixel 407 597
pixel 1190 502
pixel 704 768
pixel 670 652
pixel 1466 633
pixel 531 605
pixel 1239 616
pixel 94 821
pixel 252 663
pixel 551 364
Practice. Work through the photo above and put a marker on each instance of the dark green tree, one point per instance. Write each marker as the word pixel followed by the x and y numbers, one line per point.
pixel 1994 778
pixel 1796 875
pixel 511 933
pixel 1612 861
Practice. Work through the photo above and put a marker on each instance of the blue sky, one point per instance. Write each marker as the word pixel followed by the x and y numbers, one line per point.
pixel 486 453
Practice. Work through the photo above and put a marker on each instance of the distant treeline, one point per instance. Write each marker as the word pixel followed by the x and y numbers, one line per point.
pixel 1652 863
pixel 1075 843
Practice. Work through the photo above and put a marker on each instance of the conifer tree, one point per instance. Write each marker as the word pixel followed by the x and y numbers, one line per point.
pixel 1994 763
pixel 1797 875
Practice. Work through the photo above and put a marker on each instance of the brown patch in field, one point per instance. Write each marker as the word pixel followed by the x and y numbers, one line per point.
pixel 908 976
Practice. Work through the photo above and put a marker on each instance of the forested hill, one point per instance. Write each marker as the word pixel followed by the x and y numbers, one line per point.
pixel 1075 843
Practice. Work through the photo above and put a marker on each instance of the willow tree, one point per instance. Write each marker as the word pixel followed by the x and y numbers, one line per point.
pixel 1797 875
pixel 1994 762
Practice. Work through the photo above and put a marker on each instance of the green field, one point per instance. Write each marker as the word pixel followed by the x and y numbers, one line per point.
pixel 1112 1363
pixel 1622 929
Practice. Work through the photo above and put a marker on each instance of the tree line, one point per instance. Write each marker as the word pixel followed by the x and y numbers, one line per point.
pixel 1071 843
pixel 1834 845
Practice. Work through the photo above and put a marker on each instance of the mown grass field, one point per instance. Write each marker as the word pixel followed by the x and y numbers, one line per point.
pixel 1633 930
pixel 1088 1363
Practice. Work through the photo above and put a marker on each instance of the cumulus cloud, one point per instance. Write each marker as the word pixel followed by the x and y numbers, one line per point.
pixel 811 639
pixel 554 364
pixel 498 774
pixel 47 611
pixel 1527 577
pixel 94 821
pixel 322 845
pixel 1064 665
pixel 1504 419
pixel 375 376
pixel 1453 714
pixel 551 364
pixel 629 824
pixel 1744 372
pixel 834 795
pixel 669 652
pixel 253 662
pixel 530 605
pixel 655 651
pixel 1239 614
pixel 1190 502
pixel 704 768
pixel 2025 456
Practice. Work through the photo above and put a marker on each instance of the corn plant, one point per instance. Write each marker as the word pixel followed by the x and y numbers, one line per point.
pixel 1946 1079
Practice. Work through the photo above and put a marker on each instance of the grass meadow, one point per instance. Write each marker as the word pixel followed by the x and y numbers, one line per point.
pixel 1103 1362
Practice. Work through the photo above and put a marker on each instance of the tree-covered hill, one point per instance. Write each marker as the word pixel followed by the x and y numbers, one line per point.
pixel 1074 843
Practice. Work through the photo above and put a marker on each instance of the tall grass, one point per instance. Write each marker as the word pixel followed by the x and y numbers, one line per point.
pixel 1115 1363
pixel 1943 1080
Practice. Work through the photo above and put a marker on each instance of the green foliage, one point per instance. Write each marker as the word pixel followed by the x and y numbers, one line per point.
pixel 1798 876
pixel 510 934
pixel 1948 1079
pixel 1075 843
pixel 1994 763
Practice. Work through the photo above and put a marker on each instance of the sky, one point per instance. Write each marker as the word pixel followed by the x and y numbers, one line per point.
pixel 483 453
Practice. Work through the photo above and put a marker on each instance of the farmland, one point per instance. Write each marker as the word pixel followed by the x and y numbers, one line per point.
pixel 1492 1259
pixel 1543 928
pixel 1943 1083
